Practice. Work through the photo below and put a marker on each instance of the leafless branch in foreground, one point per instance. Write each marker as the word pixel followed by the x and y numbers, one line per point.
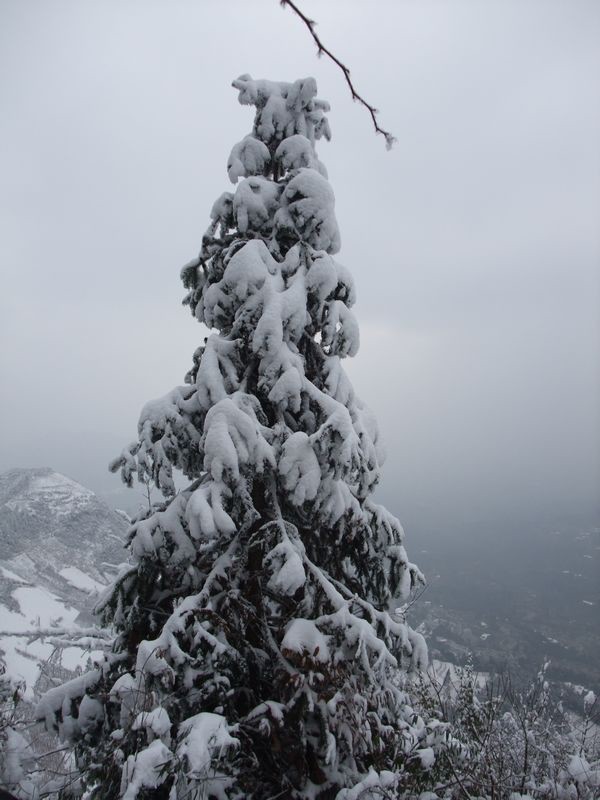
pixel 390 139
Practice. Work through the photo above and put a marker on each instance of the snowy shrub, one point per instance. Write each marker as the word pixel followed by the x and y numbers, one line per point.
pixel 15 754
pixel 509 743
pixel 33 763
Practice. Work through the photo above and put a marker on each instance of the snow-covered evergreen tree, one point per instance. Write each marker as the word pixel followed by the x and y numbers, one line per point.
pixel 258 653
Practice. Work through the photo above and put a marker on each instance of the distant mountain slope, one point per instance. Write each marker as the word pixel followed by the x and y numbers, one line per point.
pixel 59 546
pixel 48 522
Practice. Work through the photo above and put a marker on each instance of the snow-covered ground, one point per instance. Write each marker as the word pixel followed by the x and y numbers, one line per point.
pixel 80 580
pixel 38 608
pixel 57 541
pixel 11 576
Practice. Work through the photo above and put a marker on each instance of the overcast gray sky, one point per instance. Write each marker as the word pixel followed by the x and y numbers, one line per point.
pixel 475 243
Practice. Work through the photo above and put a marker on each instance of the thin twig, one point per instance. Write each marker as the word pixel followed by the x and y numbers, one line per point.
pixel 390 139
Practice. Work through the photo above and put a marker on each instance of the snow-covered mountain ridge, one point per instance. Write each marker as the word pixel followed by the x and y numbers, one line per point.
pixel 59 546
pixel 27 488
pixel 49 523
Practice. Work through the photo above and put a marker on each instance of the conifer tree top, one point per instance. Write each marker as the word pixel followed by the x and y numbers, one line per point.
pixel 284 109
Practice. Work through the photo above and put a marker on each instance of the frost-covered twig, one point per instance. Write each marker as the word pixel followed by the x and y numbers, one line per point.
pixel 85 642
pixel 96 633
pixel 65 637
pixel 390 139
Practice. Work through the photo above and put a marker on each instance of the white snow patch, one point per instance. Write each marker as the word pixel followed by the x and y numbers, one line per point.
pixel 156 723
pixel 81 580
pixel 145 770
pixel 303 636
pixel 427 757
pixel 12 576
pixel 42 608
pixel 38 608
pixel 579 769
pixel 206 735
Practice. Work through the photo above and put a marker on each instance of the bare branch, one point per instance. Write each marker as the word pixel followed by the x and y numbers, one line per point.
pixel 390 139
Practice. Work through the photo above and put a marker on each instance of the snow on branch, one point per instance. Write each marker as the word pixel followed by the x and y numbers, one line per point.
pixel 390 139
pixel 88 638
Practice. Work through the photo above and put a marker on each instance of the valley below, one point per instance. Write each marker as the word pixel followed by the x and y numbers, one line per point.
pixel 515 603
